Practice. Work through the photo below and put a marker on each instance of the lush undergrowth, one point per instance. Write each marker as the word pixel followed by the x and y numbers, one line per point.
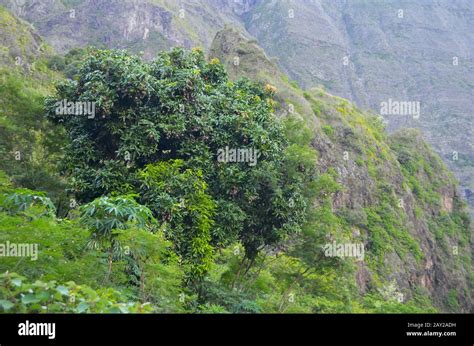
pixel 72 274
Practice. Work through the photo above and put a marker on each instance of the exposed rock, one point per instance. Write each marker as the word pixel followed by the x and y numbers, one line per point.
pixel 371 168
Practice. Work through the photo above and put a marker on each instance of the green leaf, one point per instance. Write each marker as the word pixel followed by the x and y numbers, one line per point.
pixel 83 306
pixel 29 298
pixel 63 290
pixel 6 305
pixel 42 296
pixel 16 282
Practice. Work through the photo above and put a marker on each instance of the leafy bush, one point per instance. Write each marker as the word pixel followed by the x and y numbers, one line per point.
pixel 17 295
pixel 106 214
pixel 154 270
pixel 22 199
pixel 328 130
pixel 60 248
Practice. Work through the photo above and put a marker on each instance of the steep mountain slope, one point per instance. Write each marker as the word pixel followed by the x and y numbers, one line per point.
pixel 396 195
pixel 366 51
pixel 373 51
pixel 391 193
pixel 146 26
pixel 29 144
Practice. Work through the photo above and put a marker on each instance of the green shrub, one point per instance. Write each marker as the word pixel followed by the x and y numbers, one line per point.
pixel 22 199
pixel 328 130
pixel 18 295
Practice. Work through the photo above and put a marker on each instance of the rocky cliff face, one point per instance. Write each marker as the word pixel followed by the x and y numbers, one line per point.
pixel 138 25
pixel 370 52
pixel 397 196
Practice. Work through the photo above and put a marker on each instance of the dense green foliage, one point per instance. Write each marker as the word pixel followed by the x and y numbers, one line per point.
pixel 155 221
pixel 186 212
pixel 181 107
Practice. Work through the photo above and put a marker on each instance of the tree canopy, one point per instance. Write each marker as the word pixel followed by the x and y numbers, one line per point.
pixel 177 131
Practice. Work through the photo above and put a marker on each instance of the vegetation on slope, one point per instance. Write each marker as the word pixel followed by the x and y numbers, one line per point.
pixel 157 223
pixel 29 144
pixel 377 200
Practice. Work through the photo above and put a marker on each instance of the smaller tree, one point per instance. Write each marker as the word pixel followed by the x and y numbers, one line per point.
pixel 106 214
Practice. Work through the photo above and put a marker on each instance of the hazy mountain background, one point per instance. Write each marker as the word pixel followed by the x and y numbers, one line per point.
pixel 367 51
